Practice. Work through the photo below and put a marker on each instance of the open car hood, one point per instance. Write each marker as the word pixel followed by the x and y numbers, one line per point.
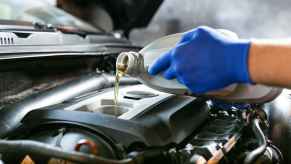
pixel 128 14
pixel 28 40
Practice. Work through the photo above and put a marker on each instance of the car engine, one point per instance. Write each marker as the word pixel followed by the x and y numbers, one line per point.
pixel 148 127
pixel 57 106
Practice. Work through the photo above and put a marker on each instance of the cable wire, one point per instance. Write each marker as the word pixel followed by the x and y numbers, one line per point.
pixel 33 147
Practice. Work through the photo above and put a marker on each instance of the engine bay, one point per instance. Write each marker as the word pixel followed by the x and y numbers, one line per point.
pixel 148 127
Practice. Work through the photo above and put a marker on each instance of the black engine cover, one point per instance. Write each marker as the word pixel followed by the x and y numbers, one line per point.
pixel 169 122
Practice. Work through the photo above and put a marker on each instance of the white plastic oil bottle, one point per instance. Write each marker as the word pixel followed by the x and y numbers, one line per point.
pixel 135 64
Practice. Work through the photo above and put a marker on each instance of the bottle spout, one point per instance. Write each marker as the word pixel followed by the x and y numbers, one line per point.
pixel 129 63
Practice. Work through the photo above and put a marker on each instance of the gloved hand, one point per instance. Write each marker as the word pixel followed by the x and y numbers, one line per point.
pixel 205 60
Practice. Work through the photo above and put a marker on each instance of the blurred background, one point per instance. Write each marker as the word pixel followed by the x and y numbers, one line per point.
pixel 248 18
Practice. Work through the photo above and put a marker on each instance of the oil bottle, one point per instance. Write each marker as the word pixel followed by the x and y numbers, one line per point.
pixel 135 64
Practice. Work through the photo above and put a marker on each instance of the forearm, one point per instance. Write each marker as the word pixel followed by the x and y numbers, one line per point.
pixel 270 62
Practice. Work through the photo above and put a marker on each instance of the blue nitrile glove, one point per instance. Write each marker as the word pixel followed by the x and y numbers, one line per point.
pixel 205 60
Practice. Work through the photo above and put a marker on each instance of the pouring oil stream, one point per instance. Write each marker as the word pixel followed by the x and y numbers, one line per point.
pixel 120 71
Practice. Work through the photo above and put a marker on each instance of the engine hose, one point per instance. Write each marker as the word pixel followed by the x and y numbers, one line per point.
pixel 253 155
pixel 38 148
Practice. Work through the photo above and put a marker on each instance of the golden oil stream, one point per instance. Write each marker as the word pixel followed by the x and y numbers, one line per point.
pixel 120 71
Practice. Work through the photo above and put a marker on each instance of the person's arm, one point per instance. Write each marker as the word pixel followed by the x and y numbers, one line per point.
pixel 205 60
pixel 270 62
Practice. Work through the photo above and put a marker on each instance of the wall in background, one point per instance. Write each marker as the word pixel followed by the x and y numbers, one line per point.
pixel 248 18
